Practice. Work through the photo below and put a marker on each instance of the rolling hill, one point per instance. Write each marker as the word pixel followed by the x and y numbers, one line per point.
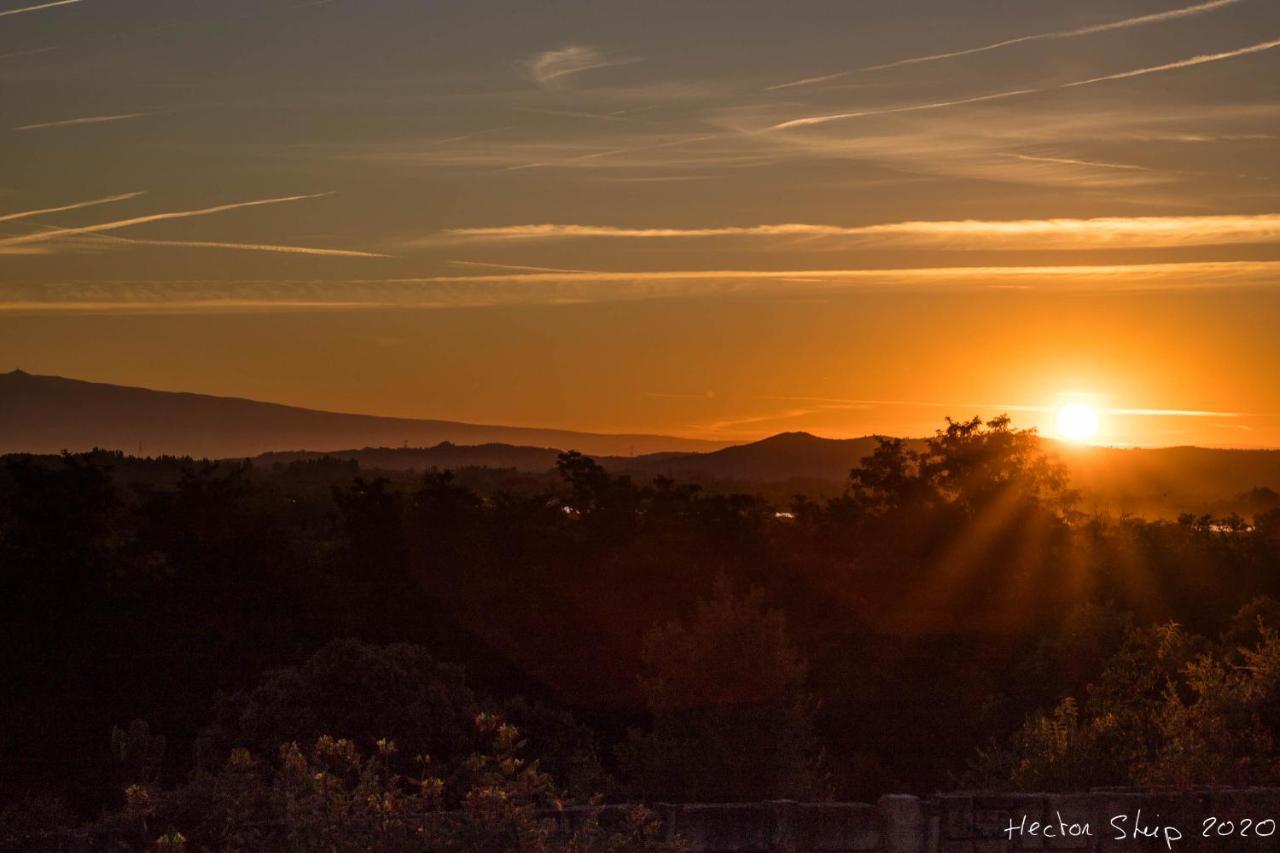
pixel 1159 482
pixel 48 414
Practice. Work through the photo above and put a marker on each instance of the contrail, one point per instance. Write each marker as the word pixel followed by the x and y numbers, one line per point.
pixel 1181 63
pixel 935 105
pixel 85 120
pixel 1108 231
pixel 1162 413
pixel 55 233
pixel 1122 75
pixel 37 8
pixel 1212 268
pixel 8 217
pixel 1141 20
pixel 254 247
pixel 1071 161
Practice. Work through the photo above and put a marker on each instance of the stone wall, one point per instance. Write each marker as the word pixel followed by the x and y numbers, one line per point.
pixel 1213 821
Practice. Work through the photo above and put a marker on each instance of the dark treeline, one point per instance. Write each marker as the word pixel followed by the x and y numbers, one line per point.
pixel 950 618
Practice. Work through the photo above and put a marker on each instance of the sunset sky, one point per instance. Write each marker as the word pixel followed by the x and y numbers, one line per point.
pixel 714 219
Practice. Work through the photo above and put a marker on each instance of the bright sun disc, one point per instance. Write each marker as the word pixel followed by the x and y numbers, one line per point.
pixel 1077 422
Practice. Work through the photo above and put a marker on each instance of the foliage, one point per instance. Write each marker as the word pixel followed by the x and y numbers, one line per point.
pixel 969 464
pixel 333 796
pixel 350 689
pixel 1169 709
pixel 950 593
pixel 731 718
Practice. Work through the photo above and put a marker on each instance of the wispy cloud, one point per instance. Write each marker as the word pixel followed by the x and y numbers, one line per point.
pixel 1223 272
pixel 24 214
pixel 951 144
pixel 550 66
pixel 1125 23
pixel 69 122
pixel 1101 232
pixel 9 12
pixel 1181 63
pixel 1018 407
pixel 514 267
pixel 1189 62
pixel 1178 413
pixel 807 121
pixel 251 247
pixel 181 306
pixel 730 425
pixel 56 233
pixel 1072 161
pixel 570 288
pixel 808 81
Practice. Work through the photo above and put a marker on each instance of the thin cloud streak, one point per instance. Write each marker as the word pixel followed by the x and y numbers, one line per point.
pixel 552 65
pixel 24 214
pixel 1189 62
pixel 1071 161
pixel 514 267
pixel 807 81
pixel 554 289
pixel 184 306
pixel 55 233
pixel 253 247
pixel 1178 413
pixel 1141 20
pixel 1103 232
pixel 1181 63
pixel 1211 268
pixel 9 12
pixel 78 121
pixel 934 105
pixel 1005 407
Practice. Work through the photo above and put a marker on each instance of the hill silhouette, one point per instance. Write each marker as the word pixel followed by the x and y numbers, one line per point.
pixel 1148 481
pixel 1156 482
pixel 48 414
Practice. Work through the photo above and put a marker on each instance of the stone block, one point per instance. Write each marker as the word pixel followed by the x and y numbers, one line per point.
pixel 904 823
pixel 823 827
pixel 726 827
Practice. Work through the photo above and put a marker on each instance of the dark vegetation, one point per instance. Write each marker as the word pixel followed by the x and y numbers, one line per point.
pixel 189 647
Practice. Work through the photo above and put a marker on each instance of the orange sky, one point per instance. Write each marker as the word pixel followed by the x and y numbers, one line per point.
pixel 652 216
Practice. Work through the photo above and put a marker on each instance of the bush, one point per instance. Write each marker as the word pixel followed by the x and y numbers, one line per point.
pixel 732 721
pixel 332 796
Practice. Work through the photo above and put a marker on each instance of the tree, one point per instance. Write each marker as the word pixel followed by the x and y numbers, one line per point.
pixel 330 794
pixel 352 690
pixel 731 718
pixel 968 465
pixel 1170 709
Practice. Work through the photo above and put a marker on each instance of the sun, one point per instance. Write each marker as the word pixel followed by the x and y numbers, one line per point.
pixel 1077 422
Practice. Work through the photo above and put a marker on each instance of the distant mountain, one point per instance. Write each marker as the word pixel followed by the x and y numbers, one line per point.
pixel 786 456
pixel 782 458
pixel 1155 481
pixel 48 414
pixel 1150 482
pixel 445 455
pixel 1147 481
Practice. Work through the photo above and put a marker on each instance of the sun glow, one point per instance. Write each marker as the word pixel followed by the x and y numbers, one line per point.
pixel 1077 422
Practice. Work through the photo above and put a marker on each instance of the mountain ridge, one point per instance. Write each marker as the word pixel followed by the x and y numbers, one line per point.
pixel 48 414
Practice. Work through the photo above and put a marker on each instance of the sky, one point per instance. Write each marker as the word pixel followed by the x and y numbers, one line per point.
pixel 718 219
